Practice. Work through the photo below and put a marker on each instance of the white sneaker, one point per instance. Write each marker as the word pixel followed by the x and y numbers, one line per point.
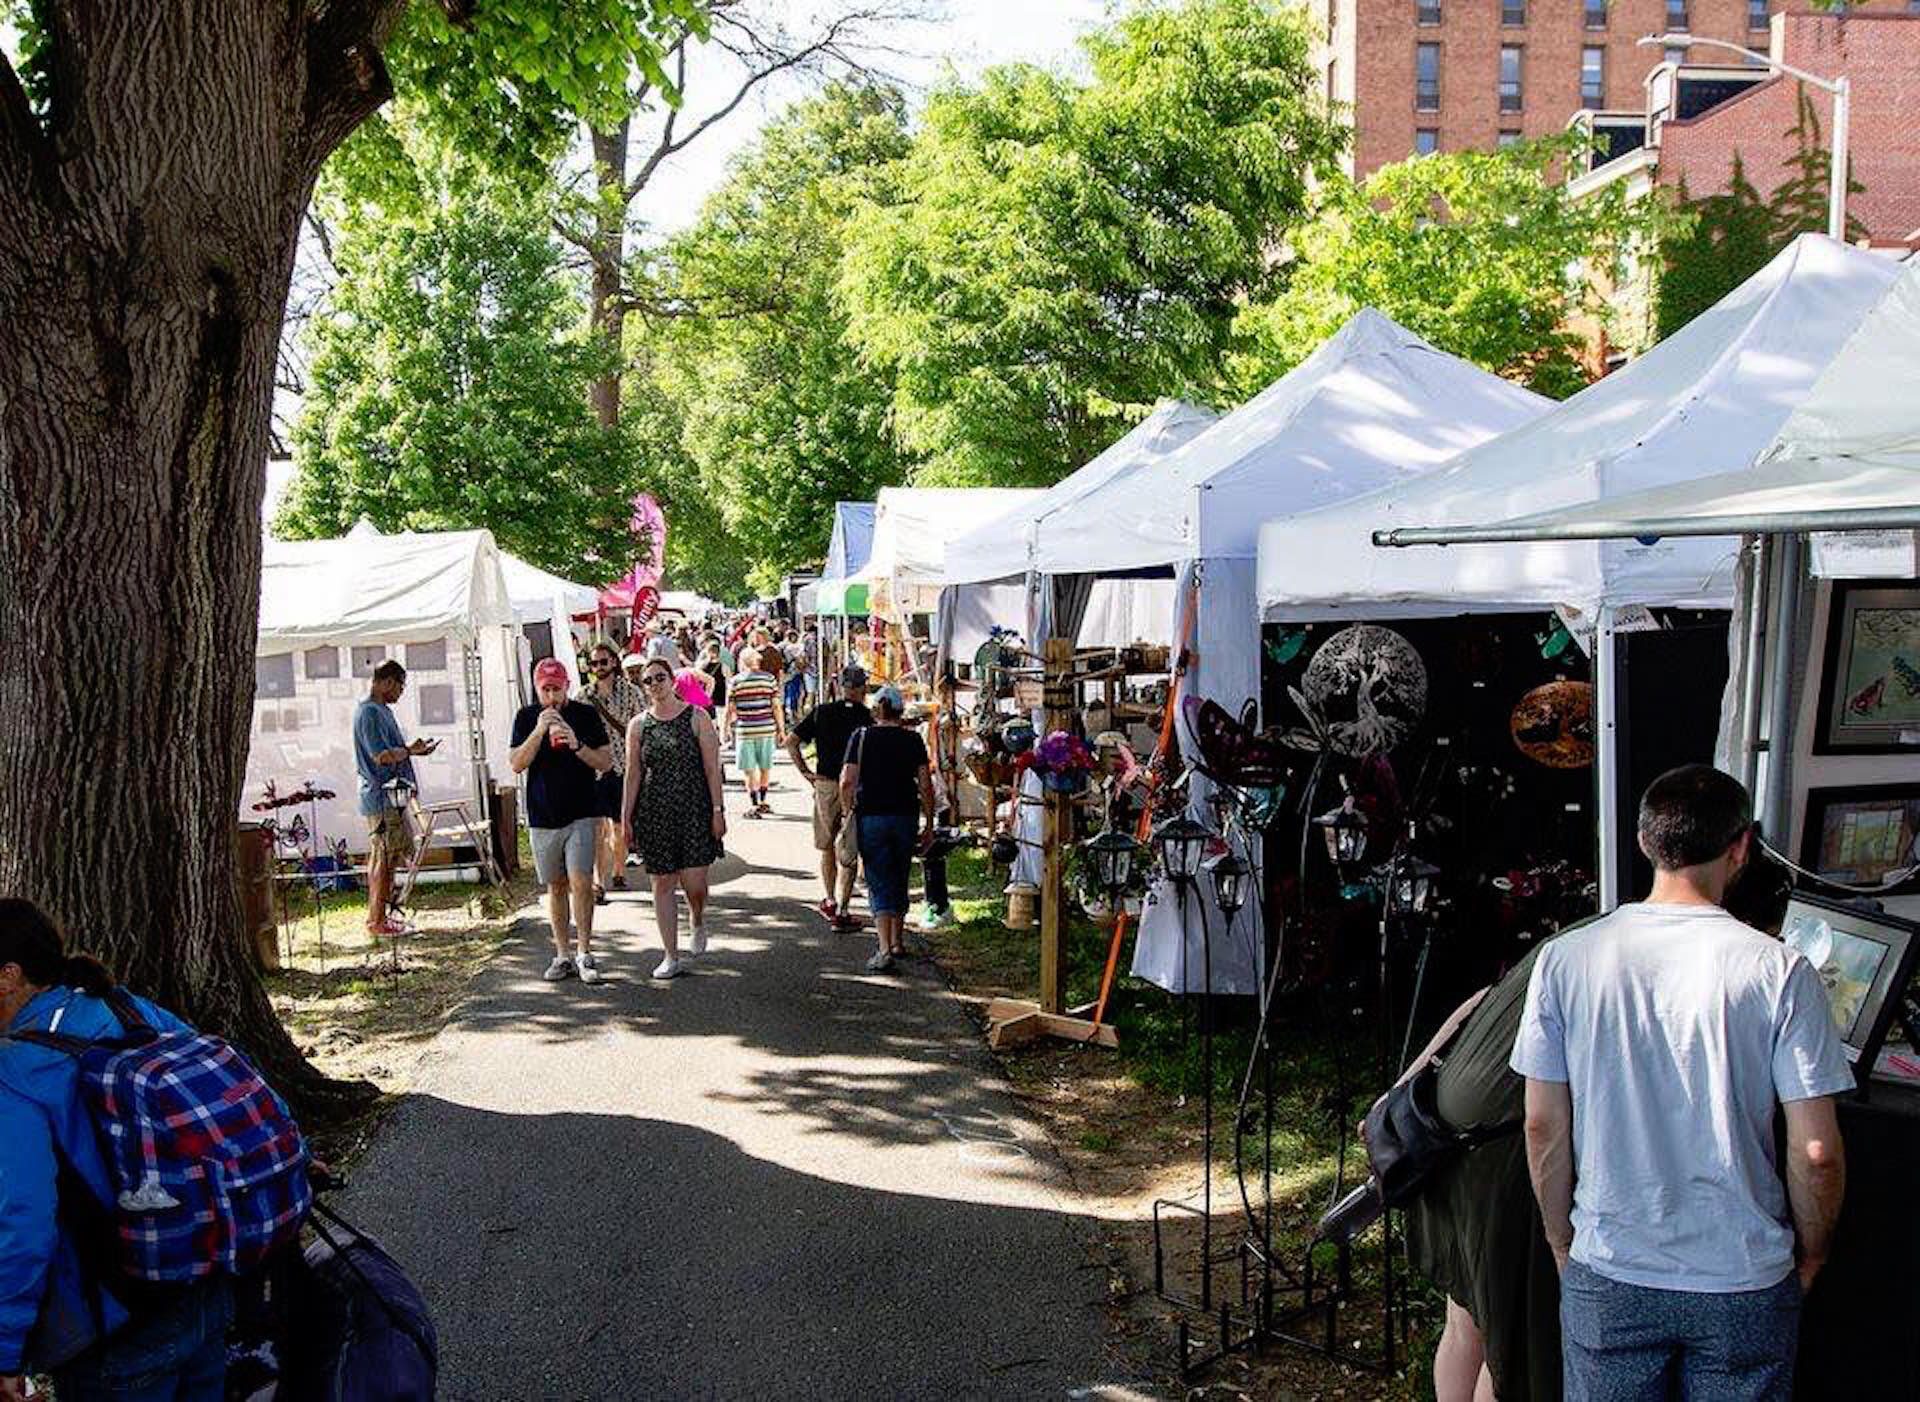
pixel 560 968
pixel 881 962
pixel 588 970
pixel 699 940
pixel 670 968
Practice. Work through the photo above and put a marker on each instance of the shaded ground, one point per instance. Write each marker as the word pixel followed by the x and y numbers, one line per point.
pixel 779 1176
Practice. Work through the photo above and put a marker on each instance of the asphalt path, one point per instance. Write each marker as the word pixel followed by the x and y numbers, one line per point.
pixel 779 1176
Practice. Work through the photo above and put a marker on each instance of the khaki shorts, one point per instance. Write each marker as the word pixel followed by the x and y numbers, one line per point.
pixel 390 836
pixel 833 829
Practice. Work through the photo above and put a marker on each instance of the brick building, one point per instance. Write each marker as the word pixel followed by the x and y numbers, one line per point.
pixel 1420 75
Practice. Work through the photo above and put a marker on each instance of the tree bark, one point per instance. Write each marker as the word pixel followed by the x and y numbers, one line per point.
pixel 148 225
pixel 606 304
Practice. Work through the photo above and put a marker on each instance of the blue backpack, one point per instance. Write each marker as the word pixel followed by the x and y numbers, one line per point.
pixel 207 1167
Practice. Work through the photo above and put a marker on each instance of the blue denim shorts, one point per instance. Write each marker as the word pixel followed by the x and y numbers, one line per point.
pixel 886 850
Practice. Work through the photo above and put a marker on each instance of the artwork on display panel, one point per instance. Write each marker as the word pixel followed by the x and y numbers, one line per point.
pixel 1870 684
pixel 1859 836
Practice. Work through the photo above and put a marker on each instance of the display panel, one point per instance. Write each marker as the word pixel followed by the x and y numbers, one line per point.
pixel 1863 957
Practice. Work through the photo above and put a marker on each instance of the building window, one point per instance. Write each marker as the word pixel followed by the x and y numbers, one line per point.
pixel 1510 77
pixel 1676 16
pixel 1513 12
pixel 1426 141
pixel 1426 77
pixel 1756 14
pixel 1596 14
pixel 1426 11
pixel 1593 75
pixel 1509 137
pixel 1675 53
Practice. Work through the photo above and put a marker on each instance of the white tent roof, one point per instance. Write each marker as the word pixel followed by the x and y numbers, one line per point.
pixel 1712 395
pixel 1004 548
pixel 370 588
pixel 913 525
pixel 688 602
pixel 1849 456
pixel 534 591
pixel 1372 405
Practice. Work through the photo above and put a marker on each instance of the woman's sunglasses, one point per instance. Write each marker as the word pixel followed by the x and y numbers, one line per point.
pixel 656 679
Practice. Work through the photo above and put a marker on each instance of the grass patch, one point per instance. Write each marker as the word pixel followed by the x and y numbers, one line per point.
pixel 364 1008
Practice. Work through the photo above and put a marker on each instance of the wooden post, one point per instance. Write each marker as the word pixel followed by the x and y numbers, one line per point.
pixel 1056 833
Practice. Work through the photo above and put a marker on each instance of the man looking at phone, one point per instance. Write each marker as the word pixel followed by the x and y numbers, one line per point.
pixel 562 746
pixel 382 755
pixel 1657 1043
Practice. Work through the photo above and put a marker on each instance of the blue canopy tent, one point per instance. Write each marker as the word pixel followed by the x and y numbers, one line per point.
pixel 852 542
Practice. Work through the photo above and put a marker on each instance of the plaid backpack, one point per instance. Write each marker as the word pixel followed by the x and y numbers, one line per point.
pixel 208 1167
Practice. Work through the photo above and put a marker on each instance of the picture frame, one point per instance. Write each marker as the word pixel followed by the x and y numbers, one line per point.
pixel 1861 833
pixel 1870 680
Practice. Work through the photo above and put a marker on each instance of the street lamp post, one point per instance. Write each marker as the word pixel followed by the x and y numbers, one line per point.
pixel 1842 102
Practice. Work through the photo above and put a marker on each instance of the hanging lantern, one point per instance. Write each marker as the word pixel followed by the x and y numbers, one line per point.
pixel 1182 843
pixel 1230 878
pixel 1113 854
pixel 1346 832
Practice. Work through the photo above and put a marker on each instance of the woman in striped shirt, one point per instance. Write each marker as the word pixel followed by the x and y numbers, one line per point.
pixel 756 724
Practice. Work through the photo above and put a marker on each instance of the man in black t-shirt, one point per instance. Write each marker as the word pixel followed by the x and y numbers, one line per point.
pixel 562 746
pixel 828 728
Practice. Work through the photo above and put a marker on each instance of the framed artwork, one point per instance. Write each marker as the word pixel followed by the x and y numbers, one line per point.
pixel 1870 685
pixel 1861 835
pixel 322 663
pixel 273 677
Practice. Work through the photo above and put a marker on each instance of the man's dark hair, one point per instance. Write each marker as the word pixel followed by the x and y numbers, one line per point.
pixel 1691 815
pixel 390 671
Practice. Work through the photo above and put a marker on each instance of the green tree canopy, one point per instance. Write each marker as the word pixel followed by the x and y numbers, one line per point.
pixel 1478 251
pixel 777 420
pixel 1052 256
pixel 449 391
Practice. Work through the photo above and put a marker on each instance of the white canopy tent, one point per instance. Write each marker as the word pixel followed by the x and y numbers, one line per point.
pixel 1715 393
pixel 546 599
pixel 1848 458
pixel 987 570
pixel 332 610
pixel 912 528
pixel 1375 403
pixel 1711 395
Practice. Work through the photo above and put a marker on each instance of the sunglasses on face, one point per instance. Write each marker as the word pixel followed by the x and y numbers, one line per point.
pixel 602 664
pixel 656 679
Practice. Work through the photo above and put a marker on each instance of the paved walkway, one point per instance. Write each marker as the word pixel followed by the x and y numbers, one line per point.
pixel 780 1176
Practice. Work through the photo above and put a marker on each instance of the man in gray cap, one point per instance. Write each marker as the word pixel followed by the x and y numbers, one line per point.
pixel 829 728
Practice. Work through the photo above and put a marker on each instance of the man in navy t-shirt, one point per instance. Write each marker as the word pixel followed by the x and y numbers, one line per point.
pixel 562 746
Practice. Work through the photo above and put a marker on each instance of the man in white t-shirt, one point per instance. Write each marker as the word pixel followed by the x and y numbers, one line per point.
pixel 1656 1044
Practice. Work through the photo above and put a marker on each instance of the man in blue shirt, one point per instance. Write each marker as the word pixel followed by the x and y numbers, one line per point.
pixel 382 754
pixel 1656 1044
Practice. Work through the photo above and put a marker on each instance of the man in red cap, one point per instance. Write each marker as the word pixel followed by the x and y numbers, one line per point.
pixel 562 746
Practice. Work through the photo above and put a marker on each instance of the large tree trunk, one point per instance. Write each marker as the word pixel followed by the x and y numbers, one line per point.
pixel 606 305
pixel 147 234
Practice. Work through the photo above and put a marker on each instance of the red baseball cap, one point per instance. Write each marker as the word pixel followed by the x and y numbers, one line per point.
pixel 551 671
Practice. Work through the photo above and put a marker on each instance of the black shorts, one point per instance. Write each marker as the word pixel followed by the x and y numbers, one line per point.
pixel 609 788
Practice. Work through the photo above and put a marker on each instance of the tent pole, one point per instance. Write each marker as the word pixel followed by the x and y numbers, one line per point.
pixel 1774 802
pixel 1752 661
pixel 1607 767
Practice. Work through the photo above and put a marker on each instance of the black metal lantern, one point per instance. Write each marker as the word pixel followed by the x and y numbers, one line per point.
pixel 1413 885
pixel 1230 878
pixel 1182 844
pixel 1346 832
pixel 1113 854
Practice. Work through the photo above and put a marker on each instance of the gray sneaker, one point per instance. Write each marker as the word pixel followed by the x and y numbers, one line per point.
pixel 880 962
pixel 588 970
pixel 560 968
